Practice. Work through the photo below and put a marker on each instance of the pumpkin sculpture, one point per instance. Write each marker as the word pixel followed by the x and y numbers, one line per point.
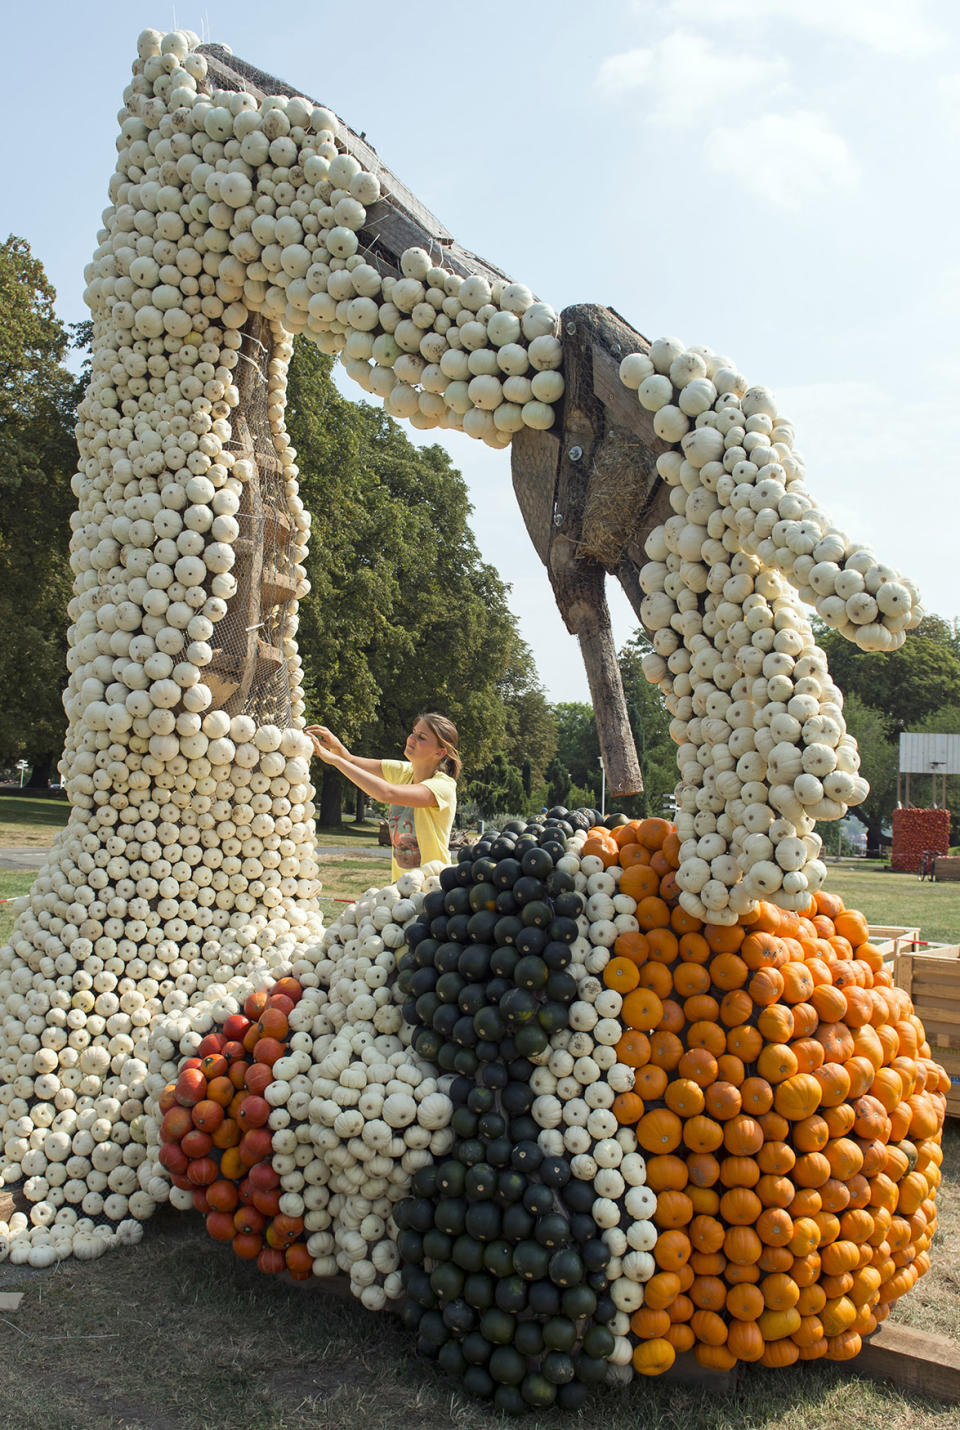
pixel 583 1102
pixel 663 1135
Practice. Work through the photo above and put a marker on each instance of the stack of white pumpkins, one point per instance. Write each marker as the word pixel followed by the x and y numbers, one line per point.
pixel 260 199
pixel 355 1110
pixel 577 1082
pixel 189 854
pixel 764 750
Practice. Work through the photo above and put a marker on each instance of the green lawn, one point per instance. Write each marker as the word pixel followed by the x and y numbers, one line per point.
pixel 900 899
pixel 350 835
pixel 31 819
pixel 13 882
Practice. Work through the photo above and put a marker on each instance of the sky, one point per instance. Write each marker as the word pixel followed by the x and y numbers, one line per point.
pixel 774 178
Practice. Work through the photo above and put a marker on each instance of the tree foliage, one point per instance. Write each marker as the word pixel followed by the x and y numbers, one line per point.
pixel 650 722
pixel 498 789
pixel 878 765
pixel 38 401
pixel 905 685
pixel 578 745
pixel 946 721
pixel 404 616
pixel 916 688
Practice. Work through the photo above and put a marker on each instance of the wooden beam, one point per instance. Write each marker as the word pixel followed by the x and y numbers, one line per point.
pixel 913 1360
pixel 555 475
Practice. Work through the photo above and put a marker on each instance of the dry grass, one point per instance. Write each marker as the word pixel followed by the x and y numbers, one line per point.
pixel 177 1334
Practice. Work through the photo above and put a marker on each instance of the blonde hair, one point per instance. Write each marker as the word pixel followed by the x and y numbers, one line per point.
pixel 445 732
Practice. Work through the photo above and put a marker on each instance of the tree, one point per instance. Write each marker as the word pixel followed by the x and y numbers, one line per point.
pixel 905 685
pixel 403 615
pixel 558 782
pixel 947 722
pixel 650 722
pixel 353 554
pixel 531 730
pixel 578 746
pixel 38 456
pixel 453 635
pixel 916 688
pixel 878 765
pixel 498 789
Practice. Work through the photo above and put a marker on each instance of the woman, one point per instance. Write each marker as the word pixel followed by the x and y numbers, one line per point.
pixel 420 825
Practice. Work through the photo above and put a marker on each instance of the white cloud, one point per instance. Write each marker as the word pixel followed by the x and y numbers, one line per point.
pixel 887 26
pixel 787 159
pixel 684 76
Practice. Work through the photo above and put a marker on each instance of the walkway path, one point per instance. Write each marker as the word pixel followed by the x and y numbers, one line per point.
pixel 22 856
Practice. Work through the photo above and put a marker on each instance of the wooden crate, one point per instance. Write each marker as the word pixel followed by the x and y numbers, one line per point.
pixel 946 867
pixel 933 981
pixel 893 939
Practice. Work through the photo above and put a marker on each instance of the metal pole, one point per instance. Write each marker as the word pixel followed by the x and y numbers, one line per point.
pixel 603 789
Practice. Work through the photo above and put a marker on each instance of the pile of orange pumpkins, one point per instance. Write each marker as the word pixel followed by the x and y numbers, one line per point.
pixel 791 1114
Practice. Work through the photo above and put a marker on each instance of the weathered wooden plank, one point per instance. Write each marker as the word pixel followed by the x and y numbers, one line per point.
pixel 913 1360
pixel 534 461
pixel 941 1017
pixel 577 578
pixel 937 974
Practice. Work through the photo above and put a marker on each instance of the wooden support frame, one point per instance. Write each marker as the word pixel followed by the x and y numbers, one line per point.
pixel 589 494
pixel 913 1360
pixel 588 490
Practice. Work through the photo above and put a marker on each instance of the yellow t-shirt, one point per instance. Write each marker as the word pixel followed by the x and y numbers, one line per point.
pixel 419 836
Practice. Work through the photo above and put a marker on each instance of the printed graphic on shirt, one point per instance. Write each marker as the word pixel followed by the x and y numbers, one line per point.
pixel 403 836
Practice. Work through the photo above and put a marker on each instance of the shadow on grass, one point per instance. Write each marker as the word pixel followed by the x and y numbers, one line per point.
pixel 51 810
pixel 177 1334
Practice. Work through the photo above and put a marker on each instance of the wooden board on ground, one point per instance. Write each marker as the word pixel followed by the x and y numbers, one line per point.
pixel 946 867
pixel 912 1360
pixel 932 980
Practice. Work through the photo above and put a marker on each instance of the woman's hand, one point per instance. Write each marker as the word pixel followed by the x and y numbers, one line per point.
pixel 325 743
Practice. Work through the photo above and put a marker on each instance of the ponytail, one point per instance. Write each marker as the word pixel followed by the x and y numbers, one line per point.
pixel 445 732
